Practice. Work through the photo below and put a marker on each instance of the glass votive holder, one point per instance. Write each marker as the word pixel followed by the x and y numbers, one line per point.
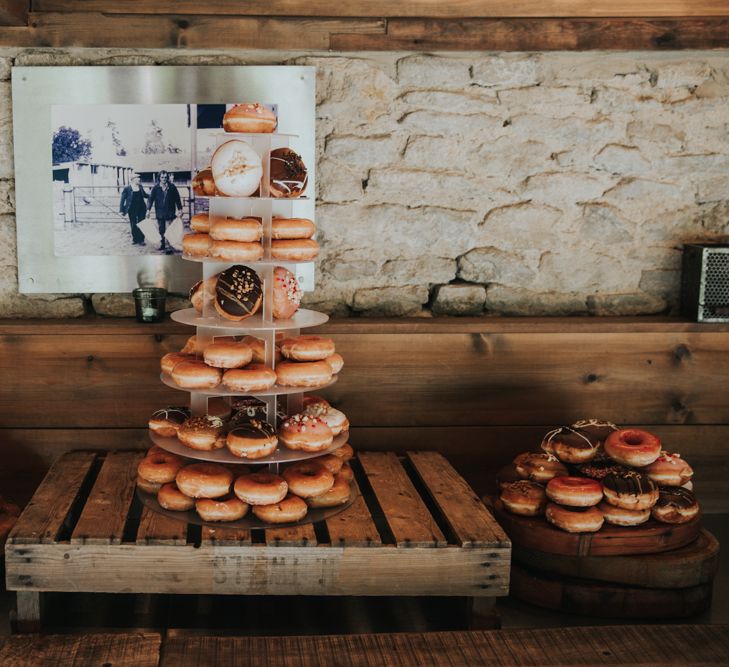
pixel 150 303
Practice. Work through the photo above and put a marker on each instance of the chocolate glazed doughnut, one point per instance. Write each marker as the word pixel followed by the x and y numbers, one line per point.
pixel 289 177
pixel 238 293
pixel 570 445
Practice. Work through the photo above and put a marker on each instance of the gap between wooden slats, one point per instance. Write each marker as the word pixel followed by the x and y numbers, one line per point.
pixel 354 526
pixel 104 516
pixel 44 517
pixel 407 516
pixel 297 536
pixel 468 518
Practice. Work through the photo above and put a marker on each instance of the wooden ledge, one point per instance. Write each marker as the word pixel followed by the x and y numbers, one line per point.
pixel 95 325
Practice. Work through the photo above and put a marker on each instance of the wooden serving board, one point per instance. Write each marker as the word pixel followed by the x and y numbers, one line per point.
pixel 592 598
pixel 687 566
pixel 651 537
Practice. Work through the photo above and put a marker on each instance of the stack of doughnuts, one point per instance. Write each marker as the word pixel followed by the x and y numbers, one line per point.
pixel 593 472
pixel 287 294
pixel 218 495
pixel 309 361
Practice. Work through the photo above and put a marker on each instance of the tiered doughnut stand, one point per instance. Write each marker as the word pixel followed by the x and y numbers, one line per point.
pixel 262 325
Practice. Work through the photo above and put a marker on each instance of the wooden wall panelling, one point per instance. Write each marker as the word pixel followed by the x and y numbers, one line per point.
pixel 14 12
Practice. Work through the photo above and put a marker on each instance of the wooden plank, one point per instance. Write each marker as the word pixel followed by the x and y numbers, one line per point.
pixel 688 566
pixel 489 379
pixel 131 649
pixel 411 523
pixel 105 512
pixel 619 646
pixel 158 529
pixel 468 518
pixel 541 34
pixel 258 570
pixel 413 8
pixel 44 516
pixel 90 29
pixel 222 536
pixel 297 536
pixel 14 12
pixel 477 453
pixel 354 527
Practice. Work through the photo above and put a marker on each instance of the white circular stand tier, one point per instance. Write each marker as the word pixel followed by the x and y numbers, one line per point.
pixel 223 455
pixel 302 319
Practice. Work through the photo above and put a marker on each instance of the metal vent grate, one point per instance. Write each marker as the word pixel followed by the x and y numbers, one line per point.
pixel 716 285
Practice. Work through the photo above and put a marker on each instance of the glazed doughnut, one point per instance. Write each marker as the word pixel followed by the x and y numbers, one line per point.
pixel 242 230
pixel 238 293
pixel 619 516
pixel 261 488
pixel 303 373
pixel 287 293
pixel 588 520
pixel 570 445
pixel 288 177
pixel 196 245
pixel 203 433
pixel 171 498
pixel 160 467
pixel 257 345
pixel 199 294
pixel 307 348
pixel 171 359
pixel 308 478
pixel 669 470
pixel 333 418
pixel 200 222
pixel 633 447
pixel 337 495
pixel 295 250
pixel 309 434
pixel 336 362
pixel 599 470
pixel 203 183
pixel 148 487
pixel 227 354
pixel 195 374
pixel 574 491
pixel 524 498
pixel 223 509
pixel 345 452
pixel 254 377
pixel 236 169
pixel 204 480
pixel 332 463
pixel 252 440
pixel 233 251
pixel 539 467
pixel 292 228
pixel 675 505
pixel 631 491
pixel 346 472
pixel 249 118
pixel 166 421
pixel 291 508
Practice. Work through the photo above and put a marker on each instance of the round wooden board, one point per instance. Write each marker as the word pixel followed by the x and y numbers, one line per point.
pixel 590 598
pixel 651 537
pixel 687 566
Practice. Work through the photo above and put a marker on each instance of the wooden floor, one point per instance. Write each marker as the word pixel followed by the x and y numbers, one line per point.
pixel 630 646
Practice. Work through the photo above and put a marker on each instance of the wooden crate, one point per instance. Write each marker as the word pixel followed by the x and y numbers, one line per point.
pixel 415 528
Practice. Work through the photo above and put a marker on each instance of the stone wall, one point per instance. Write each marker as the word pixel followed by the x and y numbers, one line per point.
pixel 521 184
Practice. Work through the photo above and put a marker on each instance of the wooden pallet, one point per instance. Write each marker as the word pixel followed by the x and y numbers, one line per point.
pixel 416 528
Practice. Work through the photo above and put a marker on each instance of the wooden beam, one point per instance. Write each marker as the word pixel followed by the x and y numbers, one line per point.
pixel 405 8
pixel 14 12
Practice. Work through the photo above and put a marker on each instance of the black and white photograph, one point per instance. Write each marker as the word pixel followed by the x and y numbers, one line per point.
pixel 121 178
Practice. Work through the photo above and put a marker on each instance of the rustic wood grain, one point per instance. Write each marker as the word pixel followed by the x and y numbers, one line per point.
pixel 14 12
pixel 297 536
pixel 42 519
pixel 138 649
pixel 222 536
pixel 156 528
pixel 411 523
pixel 619 646
pixel 470 521
pixel 413 8
pixel 105 512
pixel 354 527
pixel 694 564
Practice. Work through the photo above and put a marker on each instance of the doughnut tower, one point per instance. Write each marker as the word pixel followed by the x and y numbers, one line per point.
pixel 279 400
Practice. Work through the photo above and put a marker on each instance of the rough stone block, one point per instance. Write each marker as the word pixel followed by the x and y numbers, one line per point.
pixel 474 101
pixel 508 70
pixel 491 265
pixel 433 72
pixel 638 303
pixel 459 299
pixel 518 301
pixel 418 271
pixel 390 301
pixel 7 197
pixel 364 152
